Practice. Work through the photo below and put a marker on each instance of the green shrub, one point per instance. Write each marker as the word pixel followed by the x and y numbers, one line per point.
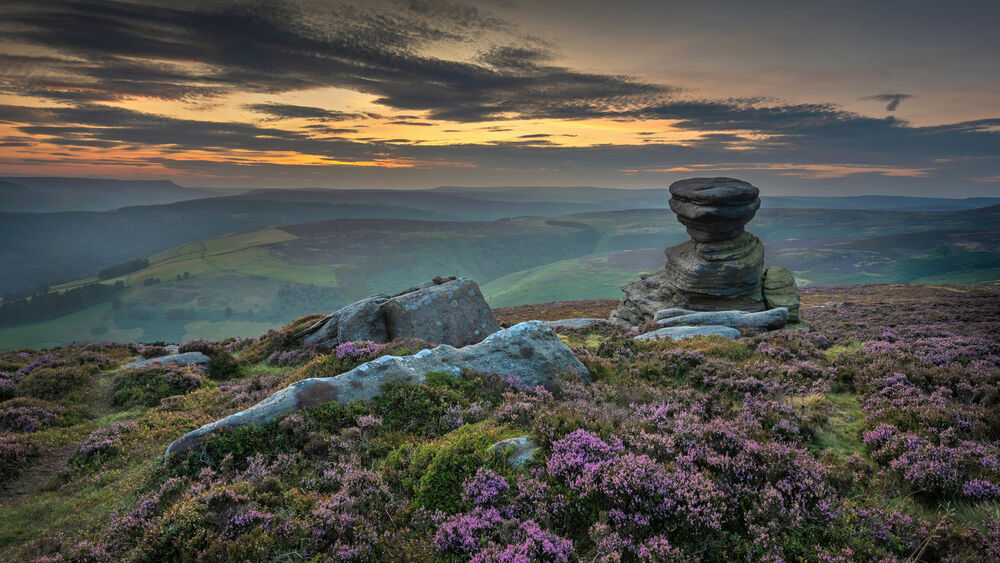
pixel 149 384
pixel 437 469
pixel 334 416
pixel 223 365
pixel 327 365
pixel 415 407
pixel 53 384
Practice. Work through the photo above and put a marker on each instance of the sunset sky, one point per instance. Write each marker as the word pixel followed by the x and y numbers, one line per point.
pixel 805 97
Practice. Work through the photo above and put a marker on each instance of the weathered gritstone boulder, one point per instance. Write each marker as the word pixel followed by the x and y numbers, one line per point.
pixel 364 320
pixel 682 332
pixel 765 320
pixel 187 358
pixel 453 313
pixel 720 268
pixel 531 351
pixel 443 311
pixel 779 290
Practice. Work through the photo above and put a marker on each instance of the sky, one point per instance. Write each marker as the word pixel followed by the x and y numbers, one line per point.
pixel 805 97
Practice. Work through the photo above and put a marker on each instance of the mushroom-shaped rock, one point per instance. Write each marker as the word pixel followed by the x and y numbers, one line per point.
pixel 714 209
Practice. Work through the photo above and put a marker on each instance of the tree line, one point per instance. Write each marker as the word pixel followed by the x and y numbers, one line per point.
pixel 48 306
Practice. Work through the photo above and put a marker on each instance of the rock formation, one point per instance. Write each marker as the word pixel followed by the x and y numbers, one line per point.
pixel 530 351
pixel 443 311
pixel 779 291
pixel 720 268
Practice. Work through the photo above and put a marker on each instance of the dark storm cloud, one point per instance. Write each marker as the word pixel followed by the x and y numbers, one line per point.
pixel 892 101
pixel 176 53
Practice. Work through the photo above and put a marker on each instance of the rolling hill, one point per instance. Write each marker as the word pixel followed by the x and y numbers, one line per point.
pixel 244 283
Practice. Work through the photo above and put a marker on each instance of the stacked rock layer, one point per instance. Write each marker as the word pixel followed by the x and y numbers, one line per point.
pixel 718 269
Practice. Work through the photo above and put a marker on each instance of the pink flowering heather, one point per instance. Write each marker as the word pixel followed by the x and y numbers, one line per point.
pixel 360 351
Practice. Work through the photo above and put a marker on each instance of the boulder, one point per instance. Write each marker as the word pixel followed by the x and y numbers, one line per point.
pixel 184 359
pixel 779 290
pixel 454 313
pixel 363 320
pixel 682 332
pixel 520 450
pixel 765 320
pixel 443 311
pixel 530 351
pixel 579 322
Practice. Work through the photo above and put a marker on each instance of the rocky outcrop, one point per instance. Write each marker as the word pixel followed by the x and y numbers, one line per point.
pixel 187 358
pixel 765 320
pixel 720 268
pixel 682 332
pixel 530 351
pixel 443 311
pixel 779 290
pixel 519 450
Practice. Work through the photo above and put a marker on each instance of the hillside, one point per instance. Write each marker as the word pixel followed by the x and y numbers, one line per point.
pixel 241 284
pixel 871 436
pixel 51 194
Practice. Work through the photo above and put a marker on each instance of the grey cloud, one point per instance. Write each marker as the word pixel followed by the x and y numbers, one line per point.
pixel 892 101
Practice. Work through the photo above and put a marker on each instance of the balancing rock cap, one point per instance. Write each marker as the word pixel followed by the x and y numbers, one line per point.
pixel 714 209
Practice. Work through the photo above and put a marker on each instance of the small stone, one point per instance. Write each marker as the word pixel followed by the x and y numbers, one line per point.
pixel 521 450
pixel 187 358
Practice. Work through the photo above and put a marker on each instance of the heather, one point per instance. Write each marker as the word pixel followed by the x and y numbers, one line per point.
pixel 872 437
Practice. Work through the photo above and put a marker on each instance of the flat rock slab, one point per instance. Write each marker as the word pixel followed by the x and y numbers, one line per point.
pixel 764 320
pixel 521 450
pixel 682 332
pixel 184 359
pixel 531 351
pixel 671 312
pixel 579 322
